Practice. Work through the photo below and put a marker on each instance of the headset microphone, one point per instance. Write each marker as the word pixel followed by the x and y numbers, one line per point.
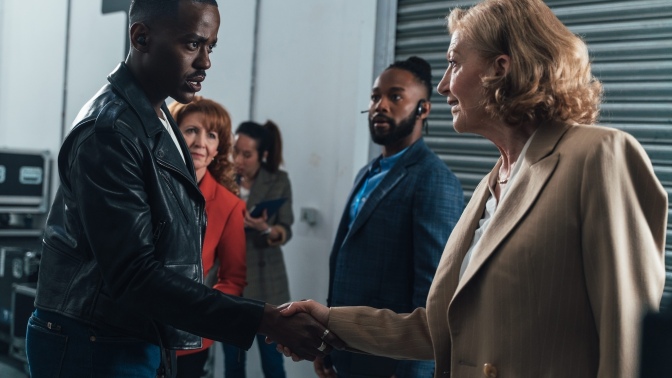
pixel 364 111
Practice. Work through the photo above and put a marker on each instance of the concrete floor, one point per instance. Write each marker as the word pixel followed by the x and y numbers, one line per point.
pixel 11 367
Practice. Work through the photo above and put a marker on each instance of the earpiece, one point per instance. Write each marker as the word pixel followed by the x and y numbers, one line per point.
pixel 141 40
pixel 420 109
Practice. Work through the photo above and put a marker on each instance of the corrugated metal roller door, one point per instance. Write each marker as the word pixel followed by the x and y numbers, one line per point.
pixel 630 43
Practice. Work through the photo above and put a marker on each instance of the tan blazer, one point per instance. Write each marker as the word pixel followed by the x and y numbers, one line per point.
pixel 558 285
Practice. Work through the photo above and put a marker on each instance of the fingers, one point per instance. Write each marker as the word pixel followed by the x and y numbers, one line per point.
pixel 315 309
pixel 300 333
pixel 322 370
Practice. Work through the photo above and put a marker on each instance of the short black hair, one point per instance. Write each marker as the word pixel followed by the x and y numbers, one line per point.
pixel 152 10
pixel 419 67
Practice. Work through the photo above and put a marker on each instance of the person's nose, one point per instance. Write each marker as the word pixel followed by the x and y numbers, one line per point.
pixel 444 85
pixel 237 159
pixel 203 59
pixel 200 139
pixel 380 106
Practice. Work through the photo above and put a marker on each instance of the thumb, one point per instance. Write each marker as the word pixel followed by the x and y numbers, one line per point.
pixel 289 309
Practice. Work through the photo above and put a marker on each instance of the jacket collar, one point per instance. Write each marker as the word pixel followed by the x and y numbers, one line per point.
pixel 414 153
pixel 537 167
pixel 126 87
pixel 208 186
pixel 260 187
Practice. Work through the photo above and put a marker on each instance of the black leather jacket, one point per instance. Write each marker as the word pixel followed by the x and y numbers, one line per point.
pixel 122 244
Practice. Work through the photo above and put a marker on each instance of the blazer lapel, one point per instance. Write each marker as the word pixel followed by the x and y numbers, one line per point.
pixel 393 177
pixel 448 271
pixel 535 171
pixel 343 231
pixel 259 189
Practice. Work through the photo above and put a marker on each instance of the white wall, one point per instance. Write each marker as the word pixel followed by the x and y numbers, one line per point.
pixel 32 51
pixel 314 70
pixel 314 74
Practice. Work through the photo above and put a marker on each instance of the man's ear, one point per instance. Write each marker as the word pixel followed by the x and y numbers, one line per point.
pixel 140 37
pixel 426 108
pixel 502 65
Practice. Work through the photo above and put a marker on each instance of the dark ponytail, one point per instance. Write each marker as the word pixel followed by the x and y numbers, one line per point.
pixel 268 140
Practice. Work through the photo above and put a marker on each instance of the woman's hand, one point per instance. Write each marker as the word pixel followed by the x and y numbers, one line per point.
pixel 259 224
pixel 314 309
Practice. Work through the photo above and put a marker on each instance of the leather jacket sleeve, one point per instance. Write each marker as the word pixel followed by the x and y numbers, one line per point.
pixel 122 243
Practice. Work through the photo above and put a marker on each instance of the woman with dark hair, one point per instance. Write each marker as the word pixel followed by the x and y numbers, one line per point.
pixel 206 128
pixel 257 158
pixel 560 250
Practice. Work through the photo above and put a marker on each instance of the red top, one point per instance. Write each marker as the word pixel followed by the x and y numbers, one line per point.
pixel 225 239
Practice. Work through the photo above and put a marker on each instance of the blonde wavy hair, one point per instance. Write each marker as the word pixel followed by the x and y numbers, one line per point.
pixel 549 77
pixel 215 118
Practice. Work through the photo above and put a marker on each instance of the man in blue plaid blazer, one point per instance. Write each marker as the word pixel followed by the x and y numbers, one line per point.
pixel 398 217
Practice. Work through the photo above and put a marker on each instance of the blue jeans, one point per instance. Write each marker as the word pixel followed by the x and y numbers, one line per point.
pixel 272 362
pixel 58 346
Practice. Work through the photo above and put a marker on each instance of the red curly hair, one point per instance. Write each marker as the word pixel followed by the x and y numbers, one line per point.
pixel 215 118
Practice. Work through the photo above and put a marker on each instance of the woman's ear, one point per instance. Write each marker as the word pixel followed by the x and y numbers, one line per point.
pixel 502 65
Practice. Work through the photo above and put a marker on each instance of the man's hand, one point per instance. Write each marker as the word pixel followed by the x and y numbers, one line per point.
pixel 301 333
pixel 322 370
pixel 317 311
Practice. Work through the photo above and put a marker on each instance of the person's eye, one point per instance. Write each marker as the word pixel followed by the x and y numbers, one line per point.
pixel 212 136
pixel 396 97
pixel 451 63
pixel 211 47
pixel 193 46
pixel 375 97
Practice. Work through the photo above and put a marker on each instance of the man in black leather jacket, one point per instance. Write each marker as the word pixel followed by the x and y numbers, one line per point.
pixel 120 277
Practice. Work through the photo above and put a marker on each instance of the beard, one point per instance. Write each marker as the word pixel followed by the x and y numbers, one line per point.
pixel 395 132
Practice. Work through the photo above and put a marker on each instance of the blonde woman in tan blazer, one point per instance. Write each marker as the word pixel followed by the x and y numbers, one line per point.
pixel 560 251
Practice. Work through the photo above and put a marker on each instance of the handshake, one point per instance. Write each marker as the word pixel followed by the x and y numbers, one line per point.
pixel 300 330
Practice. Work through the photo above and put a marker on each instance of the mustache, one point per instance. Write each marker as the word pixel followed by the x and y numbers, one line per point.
pixel 383 118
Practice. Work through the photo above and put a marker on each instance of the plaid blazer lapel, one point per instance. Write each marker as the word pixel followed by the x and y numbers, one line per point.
pixel 392 179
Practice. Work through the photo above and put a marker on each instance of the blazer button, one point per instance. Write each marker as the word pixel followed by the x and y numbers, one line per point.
pixel 489 370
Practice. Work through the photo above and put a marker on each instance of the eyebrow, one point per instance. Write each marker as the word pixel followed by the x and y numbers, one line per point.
pixel 198 38
pixel 392 89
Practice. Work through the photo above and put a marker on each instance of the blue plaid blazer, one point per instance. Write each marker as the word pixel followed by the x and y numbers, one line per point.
pixel 388 257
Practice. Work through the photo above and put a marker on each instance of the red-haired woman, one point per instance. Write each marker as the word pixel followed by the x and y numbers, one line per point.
pixel 206 127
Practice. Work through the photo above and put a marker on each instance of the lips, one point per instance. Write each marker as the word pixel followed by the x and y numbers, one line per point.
pixel 379 121
pixel 453 106
pixel 194 86
pixel 194 81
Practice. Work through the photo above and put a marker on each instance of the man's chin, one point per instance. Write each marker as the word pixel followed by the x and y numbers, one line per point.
pixel 380 139
pixel 184 97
